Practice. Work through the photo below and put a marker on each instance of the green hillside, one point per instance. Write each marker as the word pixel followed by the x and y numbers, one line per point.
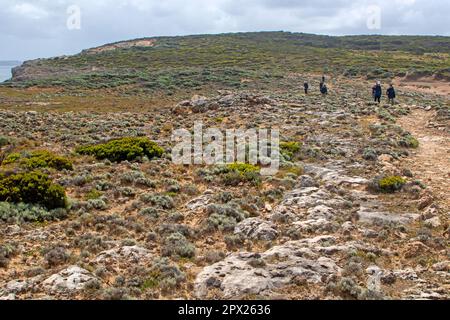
pixel 224 60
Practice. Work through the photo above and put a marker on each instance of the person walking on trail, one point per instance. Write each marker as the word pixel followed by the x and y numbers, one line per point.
pixel 324 89
pixel 391 94
pixel 321 85
pixel 306 86
pixel 377 92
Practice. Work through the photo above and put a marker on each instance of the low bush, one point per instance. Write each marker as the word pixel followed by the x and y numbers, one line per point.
pixel 46 159
pixel 176 244
pixel 243 168
pixel 163 274
pixel 40 159
pixel 33 188
pixel 391 183
pixel 4 141
pixel 6 253
pixel 23 212
pixel 159 201
pixel 236 173
pixel 167 229
pixel 93 194
pixel 56 256
pixel 385 115
pixel 11 158
pixel 388 184
pixel 370 154
pixel 224 217
pixel 234 241
pixel 290 149
pixel 118 150
pixel 150 212
pixel 409 142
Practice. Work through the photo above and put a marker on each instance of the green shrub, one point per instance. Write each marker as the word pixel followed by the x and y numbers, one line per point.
pixel 32 187
pixel 46 159
pixel 290 149
pixel 7 251
pixel 123 149
pixel 221 222
pixel 40 159
pixel 391 183
pixel 409 142
pixel 160 201
pixel 23 212
pixel 224 217
pixel 388 184
pixel 235 173
pixel 163 274
pixel 176 244
pixel 11 158
pixel 150 212
pixel 243 168
pixel 234 241
pixel 4 141
pixel 93 195
pixel 385 115
pixel 370 154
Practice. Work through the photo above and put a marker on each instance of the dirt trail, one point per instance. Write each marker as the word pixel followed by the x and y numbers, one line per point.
pixel 424 85
pixel 431 161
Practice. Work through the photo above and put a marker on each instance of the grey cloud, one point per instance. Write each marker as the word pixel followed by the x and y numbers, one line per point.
pixel 31 29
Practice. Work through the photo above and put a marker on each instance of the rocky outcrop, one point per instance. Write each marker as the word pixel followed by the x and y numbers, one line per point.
pixel 130 254
pixel 258 274
pixel 68 280
pixel 256 228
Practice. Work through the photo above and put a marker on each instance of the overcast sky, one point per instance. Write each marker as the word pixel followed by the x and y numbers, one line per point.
pixel 39 28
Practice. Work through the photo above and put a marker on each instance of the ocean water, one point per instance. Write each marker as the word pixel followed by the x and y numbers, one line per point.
pixel 5 72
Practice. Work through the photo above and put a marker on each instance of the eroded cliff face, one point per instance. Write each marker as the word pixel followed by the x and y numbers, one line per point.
pixel 41 69
pixel 23 72
pixel 55 67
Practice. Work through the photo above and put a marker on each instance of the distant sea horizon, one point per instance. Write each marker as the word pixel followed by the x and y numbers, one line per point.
pixel 6 68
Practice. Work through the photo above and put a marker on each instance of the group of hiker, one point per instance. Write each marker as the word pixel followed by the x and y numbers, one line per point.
pixel 323 87
pixel 377 90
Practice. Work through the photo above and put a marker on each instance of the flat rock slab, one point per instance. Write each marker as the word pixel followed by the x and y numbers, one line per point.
pixel 256 228
pixel 382 218
pixel 334 176
pixel 129 254
pixel 68 280
pixel 252 273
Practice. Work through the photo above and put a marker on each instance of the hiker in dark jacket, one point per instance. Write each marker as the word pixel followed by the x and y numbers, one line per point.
pixel 377 92
pixel 391 94
pixel 324 89
pixel 306 86
pixel 321 85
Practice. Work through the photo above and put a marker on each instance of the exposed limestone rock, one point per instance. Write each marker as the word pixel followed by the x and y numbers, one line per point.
pixel 306 181
pixel 236 276
pixel 68 280
pixel 198 203
pixel 133 254
pixel 256 228
pixel 382 218
pixel 334 176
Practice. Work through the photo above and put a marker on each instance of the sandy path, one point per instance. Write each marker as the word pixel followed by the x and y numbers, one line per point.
pixel 431 161
pixel 424 85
